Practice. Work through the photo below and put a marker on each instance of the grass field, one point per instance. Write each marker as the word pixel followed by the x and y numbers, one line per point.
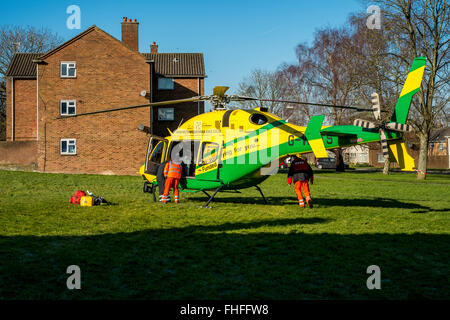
pixel 241 248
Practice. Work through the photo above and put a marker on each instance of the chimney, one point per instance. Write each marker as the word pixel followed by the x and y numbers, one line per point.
pixel 130 34
pixel 154 47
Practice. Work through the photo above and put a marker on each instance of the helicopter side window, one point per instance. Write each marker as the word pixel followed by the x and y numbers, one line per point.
pixel 258 118
pixel 209 152
pixel 157 153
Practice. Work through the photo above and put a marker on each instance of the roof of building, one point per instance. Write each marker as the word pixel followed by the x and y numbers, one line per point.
pixel 439 135
pixel 22 65
pixel 166 64
pixel 178 64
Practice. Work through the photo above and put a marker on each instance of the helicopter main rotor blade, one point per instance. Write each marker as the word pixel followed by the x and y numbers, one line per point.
pixel 242 98
pixel 153 104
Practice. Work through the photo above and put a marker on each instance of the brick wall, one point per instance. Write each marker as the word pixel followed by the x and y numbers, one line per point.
pixel 108 75
pixel 435 150
pixel 183 88
pixel 18 152
pixel 8 109
pixel 24 109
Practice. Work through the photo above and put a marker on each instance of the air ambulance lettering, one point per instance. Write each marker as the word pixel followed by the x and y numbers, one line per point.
pixel 206 168
pixel 291 139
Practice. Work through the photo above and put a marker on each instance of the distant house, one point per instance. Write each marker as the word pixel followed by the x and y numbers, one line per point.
pixel 357 154
pixel 95 71
pixel 438 150
pixel 439 142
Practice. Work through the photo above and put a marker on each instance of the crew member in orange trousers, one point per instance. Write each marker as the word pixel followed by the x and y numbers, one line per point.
pixel 172 172
pixel 300 173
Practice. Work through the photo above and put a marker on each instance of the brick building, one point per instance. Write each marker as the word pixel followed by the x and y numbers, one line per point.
pixel 95 71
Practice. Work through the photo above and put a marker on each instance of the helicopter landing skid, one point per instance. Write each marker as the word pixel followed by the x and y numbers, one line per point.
pixel 260 191
pixel 207 194
pixel 212 197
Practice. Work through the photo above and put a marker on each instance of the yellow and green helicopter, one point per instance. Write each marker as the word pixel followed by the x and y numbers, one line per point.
pixel 240 148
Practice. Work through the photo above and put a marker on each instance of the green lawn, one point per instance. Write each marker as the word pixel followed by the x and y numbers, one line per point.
pixel 241 248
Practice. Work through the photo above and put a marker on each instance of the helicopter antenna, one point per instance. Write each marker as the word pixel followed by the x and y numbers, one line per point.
pixel 180 123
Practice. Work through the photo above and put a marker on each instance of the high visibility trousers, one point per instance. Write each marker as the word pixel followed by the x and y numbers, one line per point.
pixel 299 187
pixel 171 183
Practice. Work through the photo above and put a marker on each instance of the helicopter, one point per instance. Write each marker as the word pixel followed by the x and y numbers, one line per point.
pixel 231 149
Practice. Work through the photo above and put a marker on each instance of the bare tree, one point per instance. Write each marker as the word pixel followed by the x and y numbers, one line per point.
pixel 24 39
pixel 331 73
pixel 20 39
pixel 262 84
pixel 376 71
pixel 421 27
pixel 296 86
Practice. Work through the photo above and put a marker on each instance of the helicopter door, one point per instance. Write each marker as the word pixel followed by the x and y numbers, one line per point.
pixel 208 161
pixel 187 150
pixel 155 154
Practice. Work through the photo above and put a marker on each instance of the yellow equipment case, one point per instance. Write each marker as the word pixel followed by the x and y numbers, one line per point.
pixel 87 201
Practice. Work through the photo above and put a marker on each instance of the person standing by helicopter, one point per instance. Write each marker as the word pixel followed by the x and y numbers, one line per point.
pixel 161 180
pixel 172 173
pixel 300 173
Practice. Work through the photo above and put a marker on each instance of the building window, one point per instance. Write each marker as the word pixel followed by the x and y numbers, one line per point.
pixel 166 114
pixel 363 157
pixel 441 146
pixel 352 157
pixel 68 69
pixel 165 83
pixel 68 146
pixel 380 158
pixel 68 107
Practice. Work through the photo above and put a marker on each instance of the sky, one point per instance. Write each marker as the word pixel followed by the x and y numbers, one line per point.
pixel 234 36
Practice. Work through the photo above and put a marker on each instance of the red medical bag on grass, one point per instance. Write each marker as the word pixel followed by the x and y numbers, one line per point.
pixel 75 199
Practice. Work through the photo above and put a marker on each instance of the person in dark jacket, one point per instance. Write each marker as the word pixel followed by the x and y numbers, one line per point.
pixel 300 173
pixel 161 180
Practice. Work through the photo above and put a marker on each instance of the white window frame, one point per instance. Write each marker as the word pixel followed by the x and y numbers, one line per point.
pixel 67 107
pixel 160 115
pixel 68 63
pixel 380 158
pixel 363 158
pixel 67 153
pixel 163 83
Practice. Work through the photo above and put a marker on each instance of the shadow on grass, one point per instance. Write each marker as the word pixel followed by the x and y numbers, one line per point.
pixel 217 262
pixel 322 202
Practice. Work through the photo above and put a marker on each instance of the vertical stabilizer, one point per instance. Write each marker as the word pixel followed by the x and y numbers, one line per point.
pixel 410 87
